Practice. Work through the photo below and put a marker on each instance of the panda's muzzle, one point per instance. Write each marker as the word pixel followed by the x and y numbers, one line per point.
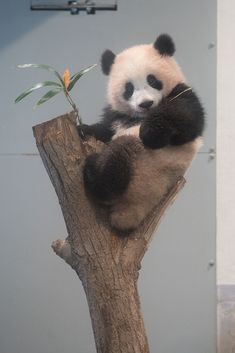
pixel 146 104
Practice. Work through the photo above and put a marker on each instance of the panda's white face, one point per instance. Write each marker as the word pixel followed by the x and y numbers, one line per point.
pixel 140 77
pixel 143 93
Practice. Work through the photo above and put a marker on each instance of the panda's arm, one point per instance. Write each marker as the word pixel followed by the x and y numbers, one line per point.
pixel 100 131
pixel 179 118
pixel 106 128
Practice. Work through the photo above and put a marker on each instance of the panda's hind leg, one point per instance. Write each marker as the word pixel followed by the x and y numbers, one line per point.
pixel 105 181
pixel 107 175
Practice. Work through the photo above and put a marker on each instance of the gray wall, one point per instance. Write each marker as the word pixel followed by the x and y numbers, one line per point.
pixel 42 305
pixel 225 177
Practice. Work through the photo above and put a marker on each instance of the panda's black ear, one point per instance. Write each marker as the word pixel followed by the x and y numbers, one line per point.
pixel 165 45
pixel 107 60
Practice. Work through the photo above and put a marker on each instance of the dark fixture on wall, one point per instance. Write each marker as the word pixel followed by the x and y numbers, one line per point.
pixel 74 6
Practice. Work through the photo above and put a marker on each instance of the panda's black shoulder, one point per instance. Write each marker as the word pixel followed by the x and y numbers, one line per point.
pixel 113 117
pixel 186 106
pixel 184 91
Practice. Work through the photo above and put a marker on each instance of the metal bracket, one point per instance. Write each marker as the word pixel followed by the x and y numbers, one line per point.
pixel 75 7
pixel 212 154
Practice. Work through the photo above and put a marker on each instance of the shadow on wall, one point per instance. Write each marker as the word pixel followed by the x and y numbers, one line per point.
pixel 16 19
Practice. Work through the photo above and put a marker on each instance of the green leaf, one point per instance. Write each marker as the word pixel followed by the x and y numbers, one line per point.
pixel 78 75
pixel 34 88
pixel 49 95
pixel 38 66
pixel 44 67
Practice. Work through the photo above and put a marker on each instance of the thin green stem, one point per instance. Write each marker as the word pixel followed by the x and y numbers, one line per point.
pixel 71 102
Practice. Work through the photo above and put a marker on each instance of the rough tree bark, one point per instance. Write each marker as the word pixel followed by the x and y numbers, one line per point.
pixel 107 265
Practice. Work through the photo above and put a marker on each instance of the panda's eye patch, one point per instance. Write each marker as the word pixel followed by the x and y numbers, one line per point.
pixel 154 82
pixel 129 90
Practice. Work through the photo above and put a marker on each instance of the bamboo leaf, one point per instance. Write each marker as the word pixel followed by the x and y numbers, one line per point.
pixel 37 66
pixel 78 75
pixel 34 88
pixel 49 95
pixel 44 67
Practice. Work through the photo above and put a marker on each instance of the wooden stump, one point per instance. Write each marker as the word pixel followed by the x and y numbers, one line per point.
pixel 107 264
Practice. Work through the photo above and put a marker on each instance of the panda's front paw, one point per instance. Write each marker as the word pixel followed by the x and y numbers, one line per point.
pixel 154 136
pixel 84 130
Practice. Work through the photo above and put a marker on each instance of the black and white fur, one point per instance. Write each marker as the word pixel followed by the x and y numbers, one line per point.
pixel 152 125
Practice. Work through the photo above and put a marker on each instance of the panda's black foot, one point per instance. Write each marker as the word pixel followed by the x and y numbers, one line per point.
pixel 105 178
pixel 90 174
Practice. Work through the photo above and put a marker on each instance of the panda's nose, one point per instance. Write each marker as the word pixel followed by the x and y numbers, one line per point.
pixel 146 104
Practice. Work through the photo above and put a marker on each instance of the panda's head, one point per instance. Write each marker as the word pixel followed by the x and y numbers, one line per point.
pixel 139 77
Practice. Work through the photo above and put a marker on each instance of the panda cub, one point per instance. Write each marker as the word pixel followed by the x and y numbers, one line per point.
pixel 151 127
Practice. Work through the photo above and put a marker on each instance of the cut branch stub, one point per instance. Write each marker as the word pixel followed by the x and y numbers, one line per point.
pixel 106 263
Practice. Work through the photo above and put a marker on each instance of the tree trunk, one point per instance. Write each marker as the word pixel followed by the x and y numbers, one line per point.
pixel 107 264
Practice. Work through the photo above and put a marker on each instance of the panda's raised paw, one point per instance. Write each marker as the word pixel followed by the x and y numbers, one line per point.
pixel 153 136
